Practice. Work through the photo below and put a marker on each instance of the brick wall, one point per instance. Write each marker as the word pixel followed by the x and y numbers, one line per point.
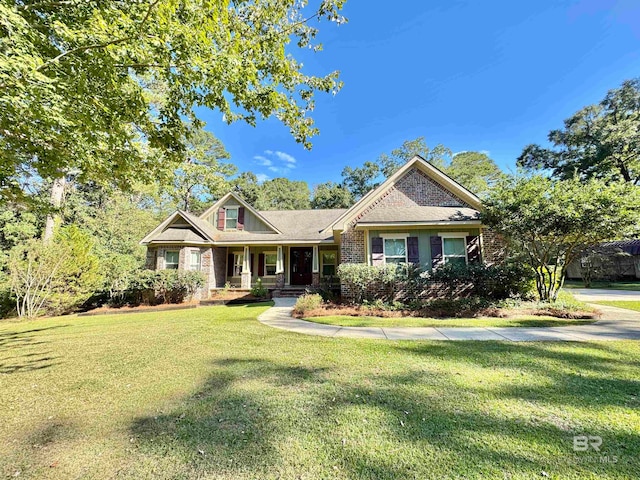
pixel 352 247
pixel 150 260
pixel 219 266
pixel 494 247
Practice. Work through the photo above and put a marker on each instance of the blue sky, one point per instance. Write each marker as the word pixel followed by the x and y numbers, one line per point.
pixel 492 76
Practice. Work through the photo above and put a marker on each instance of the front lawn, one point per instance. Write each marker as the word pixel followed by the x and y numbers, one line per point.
pixel 628 304
pixel 351 321
pixel 630 286
pixel 212 393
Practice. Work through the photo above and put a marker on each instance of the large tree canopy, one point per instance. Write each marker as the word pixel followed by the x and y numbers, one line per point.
pixel 599 141
pixel 474 170
pixel 283 194
pixel 95 87
pixel 552 221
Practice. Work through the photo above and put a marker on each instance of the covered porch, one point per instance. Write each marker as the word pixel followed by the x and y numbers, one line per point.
pixel 282 266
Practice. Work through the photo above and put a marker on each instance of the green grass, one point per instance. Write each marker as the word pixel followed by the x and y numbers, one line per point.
pixel 628 304
pixel 351 321
pixel 630 286
pixel 211 393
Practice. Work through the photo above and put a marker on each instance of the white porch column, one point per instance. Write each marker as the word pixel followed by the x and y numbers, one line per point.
pixel 280 268
pixel 245 281
pixel 280 261
pixel 315 265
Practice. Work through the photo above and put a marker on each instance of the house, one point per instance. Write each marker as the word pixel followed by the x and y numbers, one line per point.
pixel 418 215
pixel 619 260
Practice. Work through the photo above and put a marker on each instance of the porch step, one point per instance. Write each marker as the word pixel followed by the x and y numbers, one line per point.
pixel 288 292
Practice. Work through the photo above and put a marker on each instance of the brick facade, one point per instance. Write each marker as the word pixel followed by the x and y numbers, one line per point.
pixel 352 247
pixel 219 266
pixel 494 247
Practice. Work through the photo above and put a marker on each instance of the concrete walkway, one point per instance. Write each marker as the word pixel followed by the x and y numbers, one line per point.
pixel 616 324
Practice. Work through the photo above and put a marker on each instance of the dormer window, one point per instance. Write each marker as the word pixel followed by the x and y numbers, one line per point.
pixel 231 218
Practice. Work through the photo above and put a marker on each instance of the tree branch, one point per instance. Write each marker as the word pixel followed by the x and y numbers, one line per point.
pixel 98 46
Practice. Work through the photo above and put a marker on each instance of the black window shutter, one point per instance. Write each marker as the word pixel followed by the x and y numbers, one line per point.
pixel 436 252
pixel 377 251
pixel 230 265
pixel 240 218
pixel 251 263
pixel 261 264
pixel 473 248
pixel 413 252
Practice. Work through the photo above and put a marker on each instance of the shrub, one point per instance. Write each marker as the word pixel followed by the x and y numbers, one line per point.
pixel 168 286
pixel 494 282
pixel 307 302
pixel 259 290
pixel 369 282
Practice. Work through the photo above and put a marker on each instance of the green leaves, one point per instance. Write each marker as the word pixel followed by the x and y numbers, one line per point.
pixel 599 141
pixel 105 88
pixel 551 221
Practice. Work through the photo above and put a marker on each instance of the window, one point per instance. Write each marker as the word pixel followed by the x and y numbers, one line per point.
pixel 194 260
pixel 329 263
pixel 454 250
pixel 270 260
pixel 395 250
pixel 237 264
pixel 231 219
pixel 171 259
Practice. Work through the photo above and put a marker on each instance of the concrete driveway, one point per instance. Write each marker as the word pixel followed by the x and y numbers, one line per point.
pixel 616 324
pixel 597 295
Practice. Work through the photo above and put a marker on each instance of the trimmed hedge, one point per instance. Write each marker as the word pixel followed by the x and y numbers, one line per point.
pixel 405 283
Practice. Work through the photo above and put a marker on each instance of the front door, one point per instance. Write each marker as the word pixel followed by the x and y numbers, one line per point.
pixel 301 258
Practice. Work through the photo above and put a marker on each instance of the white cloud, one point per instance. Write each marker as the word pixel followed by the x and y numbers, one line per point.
pixel 285 157
pixel 265 162
pixel 280 163
pixel 262 177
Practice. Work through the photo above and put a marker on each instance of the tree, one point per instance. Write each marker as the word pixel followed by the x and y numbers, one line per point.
pixel 552 221
pixel 475 171
pixel 201 177
pixel 359 181
pixel 331 195
pixel 97 89
pixel 599 141
pixel 246 185
pixel 283 194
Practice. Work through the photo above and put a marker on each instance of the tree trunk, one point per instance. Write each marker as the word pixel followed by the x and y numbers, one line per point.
pixel 55 199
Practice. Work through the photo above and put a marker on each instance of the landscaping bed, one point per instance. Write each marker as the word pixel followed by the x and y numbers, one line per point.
pixel 461 308
pixel 367 321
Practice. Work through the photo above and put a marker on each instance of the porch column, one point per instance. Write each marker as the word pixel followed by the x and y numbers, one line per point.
pixel 245 281
pixel 315 267
pixel 280 268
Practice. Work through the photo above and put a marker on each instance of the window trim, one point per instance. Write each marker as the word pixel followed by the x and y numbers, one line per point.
pixel 199 266
pixel 401 236
pixel 226 218
pixel 274 265
pixel 451 235
pixel 177 264
pixel 321 255
pixel 238 260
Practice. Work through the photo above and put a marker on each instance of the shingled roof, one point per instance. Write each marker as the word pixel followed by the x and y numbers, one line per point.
pixel 417 214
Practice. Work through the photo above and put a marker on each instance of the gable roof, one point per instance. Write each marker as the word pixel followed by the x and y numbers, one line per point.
pixel 202 230
pixel 295 225
pixel 421 164
pixel 242 202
